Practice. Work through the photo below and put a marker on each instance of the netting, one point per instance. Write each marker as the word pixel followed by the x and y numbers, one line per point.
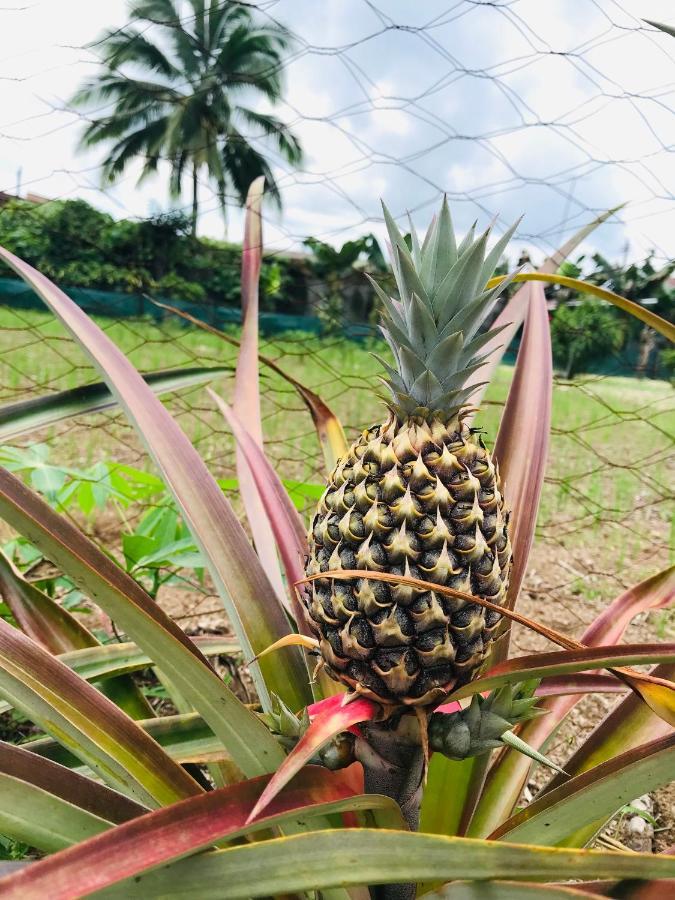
pixel 504 106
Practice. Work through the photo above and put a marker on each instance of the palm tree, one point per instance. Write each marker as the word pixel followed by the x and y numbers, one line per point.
pixel 181 78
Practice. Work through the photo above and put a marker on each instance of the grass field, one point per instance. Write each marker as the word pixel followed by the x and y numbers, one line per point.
pixel 605 518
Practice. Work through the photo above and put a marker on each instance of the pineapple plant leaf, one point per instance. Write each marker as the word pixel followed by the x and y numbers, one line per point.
pixel 25 416
pixel 443 291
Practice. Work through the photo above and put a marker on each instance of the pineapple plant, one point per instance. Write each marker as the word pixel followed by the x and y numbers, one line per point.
pixel 112 804
pixel 417 494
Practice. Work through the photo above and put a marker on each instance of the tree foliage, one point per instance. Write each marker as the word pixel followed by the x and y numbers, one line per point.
pixel 584 332
pixel 80 246
pixel 185 81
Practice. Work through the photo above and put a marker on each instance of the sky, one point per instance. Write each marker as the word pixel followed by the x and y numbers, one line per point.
pixel 555 109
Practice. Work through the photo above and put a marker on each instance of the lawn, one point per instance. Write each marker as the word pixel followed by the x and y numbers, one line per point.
pixel 605 503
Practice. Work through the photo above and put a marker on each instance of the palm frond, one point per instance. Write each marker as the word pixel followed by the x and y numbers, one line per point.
pixel 243 164
pixel 287 143
pixel 131 46
pixel 196 59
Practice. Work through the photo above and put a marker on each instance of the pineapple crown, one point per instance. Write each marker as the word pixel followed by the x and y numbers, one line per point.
pixel 432 327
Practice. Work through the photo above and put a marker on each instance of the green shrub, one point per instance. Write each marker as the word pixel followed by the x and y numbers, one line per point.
pixel 667 360
pixel 583 333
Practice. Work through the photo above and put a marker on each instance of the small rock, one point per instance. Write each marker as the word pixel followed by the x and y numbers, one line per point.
pixel 637 825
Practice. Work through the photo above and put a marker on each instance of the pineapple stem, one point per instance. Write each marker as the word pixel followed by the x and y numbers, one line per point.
pixel 394 764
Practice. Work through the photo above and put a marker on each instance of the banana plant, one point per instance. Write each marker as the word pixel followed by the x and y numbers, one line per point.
pixel 324 785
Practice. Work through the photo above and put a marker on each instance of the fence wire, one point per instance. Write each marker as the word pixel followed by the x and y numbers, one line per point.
pixel 482 122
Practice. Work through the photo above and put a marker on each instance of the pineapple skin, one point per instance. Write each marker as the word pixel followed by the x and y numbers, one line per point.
pixel 418 497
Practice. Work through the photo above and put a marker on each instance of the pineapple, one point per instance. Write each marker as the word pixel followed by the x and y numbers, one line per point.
pixel 417 495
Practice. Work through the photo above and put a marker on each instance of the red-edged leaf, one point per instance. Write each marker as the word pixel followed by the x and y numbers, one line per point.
pixel 38 615
pixel 87 723
pixel 510 770
pixel 561 685
pixel 276 506
pixel 656 592
pixel 183 829
pixel 53 627
pixel 328 426
pixel 89 795
pixel 257 617
pixel 521 447
pixel 287 527
pixel 592 797
pixel 246 403
pixel 540 665
pixel 322 729
pixel 627 726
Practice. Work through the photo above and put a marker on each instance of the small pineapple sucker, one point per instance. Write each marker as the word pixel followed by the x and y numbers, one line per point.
pixel 417 495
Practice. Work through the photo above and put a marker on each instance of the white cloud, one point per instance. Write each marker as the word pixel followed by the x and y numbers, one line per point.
pixel 465 104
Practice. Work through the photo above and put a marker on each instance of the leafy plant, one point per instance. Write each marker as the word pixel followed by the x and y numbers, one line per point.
pixel 668 363
pixel 582 333
pixel 342 291
pixel 77 245
pixel 317 789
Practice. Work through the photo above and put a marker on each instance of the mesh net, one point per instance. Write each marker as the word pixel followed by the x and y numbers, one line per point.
pixel 605 518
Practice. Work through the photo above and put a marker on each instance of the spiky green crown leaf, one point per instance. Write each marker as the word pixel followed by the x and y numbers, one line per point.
pixel 432 328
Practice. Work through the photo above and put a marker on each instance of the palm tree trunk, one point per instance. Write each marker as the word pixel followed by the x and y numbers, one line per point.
pixel 222 200
pixel 195 199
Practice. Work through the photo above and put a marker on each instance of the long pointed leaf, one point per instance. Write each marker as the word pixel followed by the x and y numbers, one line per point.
pixel 185 828
pixel 247 388
pixel 185 737
pixel 38 615
pixel 258 619
pixel 370 856
pixel 520 452
pixel 33 816
pixel 322 729
pixel 502 890
pixel 593 796
pixel 286 529
pixel 521 447
pixel 251 745
pixel 626 727
pixel 89 795
pixel 328 427
pixel 667 329
pixel 50 807
pixel 26 416
pixel 87 723
pixel 52 626
pixel 509 772
pixel 542 665
pixel 289 532
pixel 655 592
pixel 108 661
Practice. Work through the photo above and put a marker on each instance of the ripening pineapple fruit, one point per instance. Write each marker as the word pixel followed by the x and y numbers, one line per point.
pixel 418 494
